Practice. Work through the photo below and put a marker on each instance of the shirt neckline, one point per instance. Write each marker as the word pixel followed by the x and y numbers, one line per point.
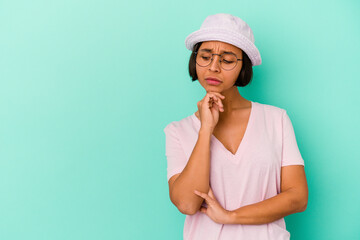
pixel 244 139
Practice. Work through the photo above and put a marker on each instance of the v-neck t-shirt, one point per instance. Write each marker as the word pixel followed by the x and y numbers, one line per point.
pixel 249 176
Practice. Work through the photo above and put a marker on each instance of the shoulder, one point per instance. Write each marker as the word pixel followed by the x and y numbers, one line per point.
pixel 271 110
pixel 183 124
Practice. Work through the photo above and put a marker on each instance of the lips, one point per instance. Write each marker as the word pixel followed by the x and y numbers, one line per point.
pixel 213 79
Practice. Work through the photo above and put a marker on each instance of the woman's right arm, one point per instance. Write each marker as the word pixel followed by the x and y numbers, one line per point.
pixel 194 176
pixel 196 173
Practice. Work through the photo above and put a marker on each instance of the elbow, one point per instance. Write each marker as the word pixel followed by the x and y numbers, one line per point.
pixel 187 209
pixel 303 205
pixel 304 201
pixel 185 206
pixel 300 204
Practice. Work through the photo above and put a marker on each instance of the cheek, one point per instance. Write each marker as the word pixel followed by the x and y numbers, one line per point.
pixel 199 72
pixel 232 76
pixel 236 74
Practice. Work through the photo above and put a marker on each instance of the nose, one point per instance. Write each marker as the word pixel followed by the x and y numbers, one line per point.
pixel 215 63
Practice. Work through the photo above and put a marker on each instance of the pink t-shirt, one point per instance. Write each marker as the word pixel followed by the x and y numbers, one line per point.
pixel 249 176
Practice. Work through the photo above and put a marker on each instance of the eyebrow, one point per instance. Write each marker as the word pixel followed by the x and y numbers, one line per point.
pixel 210 50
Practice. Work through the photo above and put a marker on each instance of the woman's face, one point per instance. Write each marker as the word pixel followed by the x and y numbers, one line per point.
pixel 227 77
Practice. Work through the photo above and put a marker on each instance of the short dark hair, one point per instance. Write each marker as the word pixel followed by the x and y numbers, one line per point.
pixel 245 74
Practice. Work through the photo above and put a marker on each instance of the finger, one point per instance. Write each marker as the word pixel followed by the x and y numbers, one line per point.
pixel 219 103
pixel 213 100
pixel 211 194
pixel 203 210
pixel 203 195
pixel 217 100
pixel 218 94
pixel 214 109
pixel 213 95
pixel 221 96
pixel 208 199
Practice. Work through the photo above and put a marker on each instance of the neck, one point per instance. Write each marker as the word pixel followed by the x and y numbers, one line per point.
pixel 233 101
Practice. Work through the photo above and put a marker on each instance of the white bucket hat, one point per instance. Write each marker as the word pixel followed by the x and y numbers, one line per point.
pixel 226 28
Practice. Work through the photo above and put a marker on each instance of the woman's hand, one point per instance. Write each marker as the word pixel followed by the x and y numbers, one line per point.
pixel 214 210
pixel 209 108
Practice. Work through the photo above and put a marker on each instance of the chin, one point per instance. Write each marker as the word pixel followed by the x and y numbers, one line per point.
pixel 213 89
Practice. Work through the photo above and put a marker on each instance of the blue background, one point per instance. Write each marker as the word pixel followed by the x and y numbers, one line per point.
pixel 86 88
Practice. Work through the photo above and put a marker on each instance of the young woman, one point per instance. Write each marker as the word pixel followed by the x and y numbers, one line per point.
pixel 234 167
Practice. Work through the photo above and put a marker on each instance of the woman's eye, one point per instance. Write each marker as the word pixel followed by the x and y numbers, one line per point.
pixel 205 58
pixel 228 62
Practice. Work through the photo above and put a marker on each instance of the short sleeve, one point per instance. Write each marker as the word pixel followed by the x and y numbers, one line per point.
pixel 290 150
pixel 176 159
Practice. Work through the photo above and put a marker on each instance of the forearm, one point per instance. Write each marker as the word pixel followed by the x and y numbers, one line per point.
pixel 195 175
pixel 269 210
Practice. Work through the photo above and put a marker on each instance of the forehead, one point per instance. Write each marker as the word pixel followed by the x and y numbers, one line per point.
pixel 217 46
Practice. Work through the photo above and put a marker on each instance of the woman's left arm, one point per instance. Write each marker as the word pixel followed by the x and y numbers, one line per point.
pixel 292 199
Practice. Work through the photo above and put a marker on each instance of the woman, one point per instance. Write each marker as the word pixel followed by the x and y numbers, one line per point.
pixel 234 167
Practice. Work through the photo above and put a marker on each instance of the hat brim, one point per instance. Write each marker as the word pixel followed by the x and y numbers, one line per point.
pixel 225 35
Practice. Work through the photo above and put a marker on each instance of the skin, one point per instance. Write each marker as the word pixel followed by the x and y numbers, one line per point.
pixel 227 121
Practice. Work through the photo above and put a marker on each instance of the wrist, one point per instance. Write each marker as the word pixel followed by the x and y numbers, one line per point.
pixel 230 217
pixel 205 131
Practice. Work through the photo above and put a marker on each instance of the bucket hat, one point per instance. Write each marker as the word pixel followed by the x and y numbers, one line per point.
pixel 226 28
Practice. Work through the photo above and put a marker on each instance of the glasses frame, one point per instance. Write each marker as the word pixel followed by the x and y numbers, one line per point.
pixel 220 55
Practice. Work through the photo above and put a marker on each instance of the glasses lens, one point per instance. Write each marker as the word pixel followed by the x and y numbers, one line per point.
pixel 228 61
pixel 203 58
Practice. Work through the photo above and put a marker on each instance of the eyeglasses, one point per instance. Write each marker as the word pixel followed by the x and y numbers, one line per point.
pixel 227 61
